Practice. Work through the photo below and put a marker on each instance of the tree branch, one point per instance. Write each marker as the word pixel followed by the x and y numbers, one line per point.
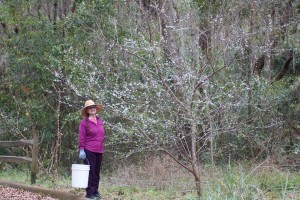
pixel 176 160
pixel 161 78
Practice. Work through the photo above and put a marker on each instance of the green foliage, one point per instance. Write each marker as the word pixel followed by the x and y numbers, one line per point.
pixel 213 5
pixel 113 52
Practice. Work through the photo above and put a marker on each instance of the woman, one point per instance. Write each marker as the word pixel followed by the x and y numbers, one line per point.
pixel 91 145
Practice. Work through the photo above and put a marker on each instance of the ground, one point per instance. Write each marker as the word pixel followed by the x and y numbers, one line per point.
pixel 17 191
pixel 8 193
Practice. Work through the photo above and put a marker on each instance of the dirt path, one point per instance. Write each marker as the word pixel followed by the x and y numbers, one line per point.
pixel 18 191
pixel 8 193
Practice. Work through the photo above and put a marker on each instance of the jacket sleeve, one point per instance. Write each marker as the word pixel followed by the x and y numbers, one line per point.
pixel 82 134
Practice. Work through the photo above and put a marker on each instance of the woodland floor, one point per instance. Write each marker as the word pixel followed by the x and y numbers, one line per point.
pixel 17 191
pixel 7 193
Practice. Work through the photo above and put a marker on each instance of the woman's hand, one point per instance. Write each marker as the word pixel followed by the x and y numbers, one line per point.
pixel 82 154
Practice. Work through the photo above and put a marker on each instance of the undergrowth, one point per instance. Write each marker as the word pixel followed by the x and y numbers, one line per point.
pixel 161 178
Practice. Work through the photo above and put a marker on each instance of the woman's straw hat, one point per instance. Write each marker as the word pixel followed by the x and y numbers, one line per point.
pixel 87 104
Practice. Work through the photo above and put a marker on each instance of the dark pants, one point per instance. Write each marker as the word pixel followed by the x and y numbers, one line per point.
pixel 94 160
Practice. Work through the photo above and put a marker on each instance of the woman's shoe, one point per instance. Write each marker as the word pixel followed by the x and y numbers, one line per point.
pixel 98 196
pixel 90 196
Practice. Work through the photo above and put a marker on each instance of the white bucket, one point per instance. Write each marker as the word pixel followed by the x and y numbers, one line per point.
pixel 80 175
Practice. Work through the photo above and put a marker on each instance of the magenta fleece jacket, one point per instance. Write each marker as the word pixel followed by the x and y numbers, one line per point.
pixel 91 137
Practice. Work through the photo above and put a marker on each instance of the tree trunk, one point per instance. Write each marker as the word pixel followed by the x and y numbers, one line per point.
pixel 55 11
pixel 56 148
pixel 73 6
pixel 195 160
pixel 268 45
pixel 250 58
pixel 285 67
pixel 167 29
pixel 204 40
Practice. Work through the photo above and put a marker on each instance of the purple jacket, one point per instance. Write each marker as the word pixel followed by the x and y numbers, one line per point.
pixel 91 137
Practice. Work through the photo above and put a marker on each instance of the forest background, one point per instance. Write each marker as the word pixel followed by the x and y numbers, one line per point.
pixel 203 82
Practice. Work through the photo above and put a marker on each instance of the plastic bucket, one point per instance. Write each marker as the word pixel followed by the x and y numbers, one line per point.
pixel 80 175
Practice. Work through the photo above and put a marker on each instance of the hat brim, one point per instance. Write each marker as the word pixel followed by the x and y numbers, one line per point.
pixel 83 111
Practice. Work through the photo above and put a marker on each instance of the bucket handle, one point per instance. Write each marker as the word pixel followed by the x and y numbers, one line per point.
pixel 84 159
pixel 87 160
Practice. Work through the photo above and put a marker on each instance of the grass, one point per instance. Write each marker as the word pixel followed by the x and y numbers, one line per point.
pixel 163 179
